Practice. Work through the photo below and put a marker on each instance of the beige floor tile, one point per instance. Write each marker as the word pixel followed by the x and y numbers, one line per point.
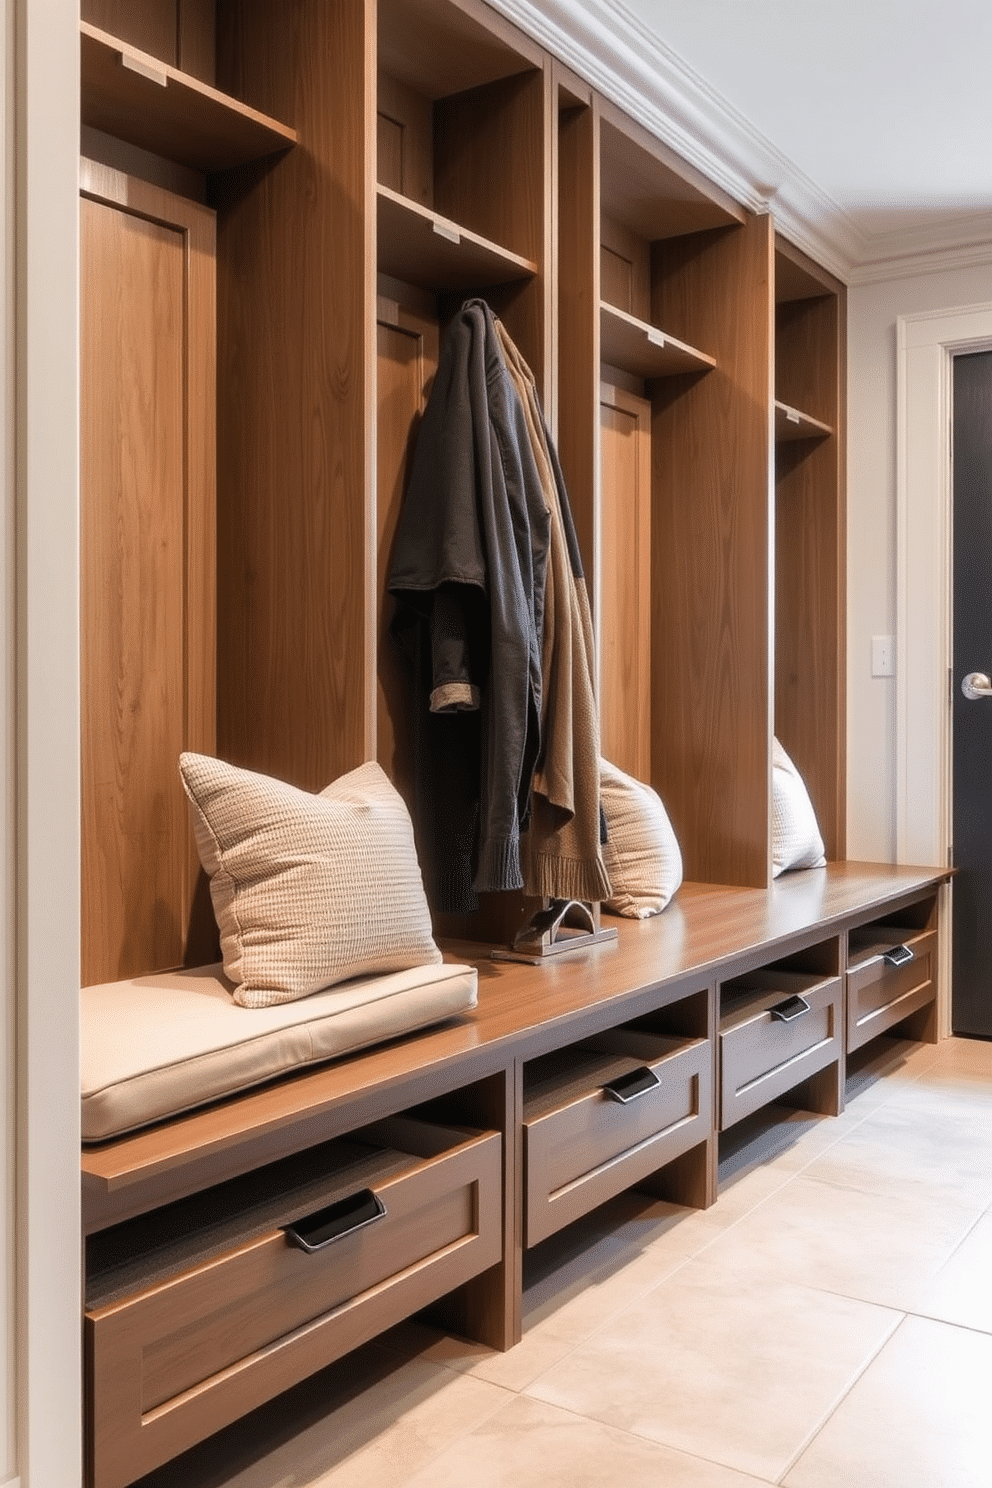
pixel 962 1291
pixel 574 1284
pixel 882 1067
pixel 911 1149
pixel 951 1094
pixel 532 1445
pixel 370 1418
pixel 879 1247
pixel 737 1374
pixel 965 1054
pixel 917 1418
pixel 780 1139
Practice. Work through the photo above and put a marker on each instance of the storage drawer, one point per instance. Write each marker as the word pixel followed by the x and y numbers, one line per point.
pixel 582 1145
pixel 882 986
pixel 235 1321
pixel 763 1054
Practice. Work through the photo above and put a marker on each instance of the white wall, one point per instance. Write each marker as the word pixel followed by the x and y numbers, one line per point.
pixel 872 313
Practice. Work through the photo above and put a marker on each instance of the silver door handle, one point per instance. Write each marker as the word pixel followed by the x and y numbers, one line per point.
pixel 976 685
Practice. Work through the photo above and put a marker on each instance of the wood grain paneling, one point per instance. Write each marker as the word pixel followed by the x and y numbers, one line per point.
pixel 168 112
pixel 625 582
pixel 438 48
pixel 406 121
pixel 407 354
pixel 711 538
pixel 492 172
pixel 806 356
pixel 152 26
pixel 147 564
pixel 625 260
pixel 647 187
pixel 196 48
pixel 489 162
pixel 296 327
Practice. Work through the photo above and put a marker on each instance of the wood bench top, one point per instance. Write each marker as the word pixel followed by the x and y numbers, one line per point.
pixel 707 931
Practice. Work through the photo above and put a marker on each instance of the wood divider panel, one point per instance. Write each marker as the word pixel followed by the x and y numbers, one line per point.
pixel 711 553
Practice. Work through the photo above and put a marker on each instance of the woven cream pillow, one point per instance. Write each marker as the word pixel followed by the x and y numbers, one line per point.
pixel 307 890
pixel 796 840
pixel 642 853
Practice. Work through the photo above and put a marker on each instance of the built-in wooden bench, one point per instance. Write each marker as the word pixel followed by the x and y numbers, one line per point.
pixel 611 1067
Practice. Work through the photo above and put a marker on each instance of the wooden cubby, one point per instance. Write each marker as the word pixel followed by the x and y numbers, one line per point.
pixel 810 532
pixel 671 478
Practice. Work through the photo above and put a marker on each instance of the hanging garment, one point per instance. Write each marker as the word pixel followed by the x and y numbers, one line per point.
pixel 468 575
pixel 563 856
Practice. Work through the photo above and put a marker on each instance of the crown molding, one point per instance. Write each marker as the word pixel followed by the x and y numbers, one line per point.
pixel 929 261
pixel 614 51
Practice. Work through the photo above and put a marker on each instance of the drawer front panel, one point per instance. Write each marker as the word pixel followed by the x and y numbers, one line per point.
pixel 173 1364
pixel 594 1147
pixel 880 995
pixel 762 1057
pixel 239 1305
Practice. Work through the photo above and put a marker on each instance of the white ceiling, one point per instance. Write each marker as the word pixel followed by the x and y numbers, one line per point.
pixel 884 106
pixel 865 125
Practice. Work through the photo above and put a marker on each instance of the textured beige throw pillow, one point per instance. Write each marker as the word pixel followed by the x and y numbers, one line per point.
pixel 796 840
pixel 307 890
pixel 642 853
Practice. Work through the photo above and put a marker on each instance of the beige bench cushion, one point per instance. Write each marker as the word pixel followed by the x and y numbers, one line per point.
pixel 157 1045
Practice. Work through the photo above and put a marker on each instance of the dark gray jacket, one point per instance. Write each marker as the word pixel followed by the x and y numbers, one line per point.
pixel 468 575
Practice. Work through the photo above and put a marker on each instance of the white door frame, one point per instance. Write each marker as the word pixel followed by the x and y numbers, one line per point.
pixel 926 345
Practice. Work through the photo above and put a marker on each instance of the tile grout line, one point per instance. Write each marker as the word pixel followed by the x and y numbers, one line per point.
pixel 842 1396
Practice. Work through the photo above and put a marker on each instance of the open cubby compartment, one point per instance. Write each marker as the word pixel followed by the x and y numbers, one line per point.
pixel 645 196
pixel 180 33
pixel 781 1036
pixel 677 529
pixel 462 182
pixel 810 534
pixel 679 517
pixel 807 313
pixel 892 973
pixel 460 147
pixel 631 1106
pixel 147 77
pixel 201 1310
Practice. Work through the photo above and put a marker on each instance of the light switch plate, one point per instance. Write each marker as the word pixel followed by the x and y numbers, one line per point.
pixel 883 656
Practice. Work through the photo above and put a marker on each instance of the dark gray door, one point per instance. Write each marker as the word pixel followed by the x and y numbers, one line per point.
pixel 971 1003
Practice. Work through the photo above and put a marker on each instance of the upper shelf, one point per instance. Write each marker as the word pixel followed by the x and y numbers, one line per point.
pixel 642 349
pixel 423 248
pixel 790 424
pixel 134 96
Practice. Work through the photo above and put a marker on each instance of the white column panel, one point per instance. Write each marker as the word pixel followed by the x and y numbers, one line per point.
pixel 47 1236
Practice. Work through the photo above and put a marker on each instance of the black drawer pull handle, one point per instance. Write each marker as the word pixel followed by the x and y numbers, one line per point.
pixel 898 956
pixel 628 1087
pixel 336 1221
pixel 792 1007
